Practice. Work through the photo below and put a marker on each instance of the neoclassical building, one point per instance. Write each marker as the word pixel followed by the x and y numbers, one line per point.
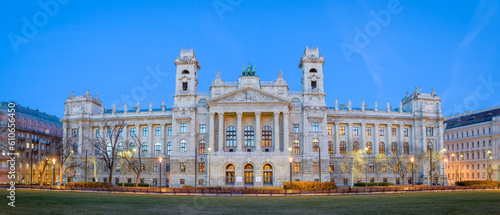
pixel 243 133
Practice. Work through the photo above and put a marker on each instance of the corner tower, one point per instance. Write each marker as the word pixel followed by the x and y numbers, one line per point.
pixel 311 64
pixel 186 79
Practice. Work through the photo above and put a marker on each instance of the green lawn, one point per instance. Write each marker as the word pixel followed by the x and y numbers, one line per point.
pixel 46 202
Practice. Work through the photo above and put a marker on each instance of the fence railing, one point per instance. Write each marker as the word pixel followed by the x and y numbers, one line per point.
pixel 236 191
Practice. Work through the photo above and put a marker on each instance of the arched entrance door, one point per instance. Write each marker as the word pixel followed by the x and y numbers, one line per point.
pixel 268 175
pixel 248 174
pixel 230 174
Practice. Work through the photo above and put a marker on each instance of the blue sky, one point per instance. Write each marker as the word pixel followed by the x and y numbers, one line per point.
pixel 108 46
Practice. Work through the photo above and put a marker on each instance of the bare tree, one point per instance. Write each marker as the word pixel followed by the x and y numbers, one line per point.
pixel 42 170
pixel 66 154
pixel 437 158
pixel 96 165
pixel 133 158
pixel 400 163
pixel 106 146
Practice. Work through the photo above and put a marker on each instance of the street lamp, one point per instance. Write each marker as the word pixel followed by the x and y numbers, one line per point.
pixel 161 159
pixel 412 160
pixel 488 163
pixel 291 160
pixel 460 167
pixel 209 150
pixel 444 169
pixel 53 171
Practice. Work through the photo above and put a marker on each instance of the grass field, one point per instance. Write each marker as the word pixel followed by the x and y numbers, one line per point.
pixel 46 202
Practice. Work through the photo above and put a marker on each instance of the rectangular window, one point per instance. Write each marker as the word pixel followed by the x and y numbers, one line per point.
pixel 315 127
pixel 355 131
pixel 132 132
pixel 202 129
pixel 332 167
pixel 295 128
pixel 315 166
pixel 167 167
pixel 430 131
pixel 342 130
pixel 120 132
pixel 393 132
pixel 405 131
pixel 169 131
pixel 155 167
pixel 396 167
pixel 184 86
pixel 381 131
pixel 183 127
pixel 329 129
pixel 296 167
pixel 182 181
pixel 370 167
pixel 313 85
pixel 145 132
pixel 75 132
pixel 158 131
pixel 98 133
pixel 384 167
pixel 201 167
pixel 369 131
pixel 183 167
pixel 200 182
pixel 109 132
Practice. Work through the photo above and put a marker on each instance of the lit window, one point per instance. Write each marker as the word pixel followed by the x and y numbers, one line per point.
pixel 393 131
pixel 183 167
pixel 267 136
pixel 296 146
pixel 368 131
pixel 355 131
pixel 330 148
pixel 342 130
pixel 342 147
pixel 329 129
pixel 296 167
pixel 381 148
pixel 202 147
pixel 381 131
pixel 201 167
pixel 315 166
pixel 370 148
pixel 315 145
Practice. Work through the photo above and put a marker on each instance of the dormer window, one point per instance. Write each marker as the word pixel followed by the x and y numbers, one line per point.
pixel 313 71
pixel 313 85
pixel 185 72
pixel 184 86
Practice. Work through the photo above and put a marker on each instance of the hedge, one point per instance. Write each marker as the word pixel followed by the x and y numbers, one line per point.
pixel 477 183
pixel 382 184
pixel 133 185
pixel 310 185
pixel 86 184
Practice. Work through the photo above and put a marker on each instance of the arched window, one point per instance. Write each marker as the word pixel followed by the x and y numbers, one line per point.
pixel 109 149
pixel 131 146
pixel 406 148
pixel 182 145
pixel 145 148
pixel 202 147
pixel 157 148
pixel 248 174
pixel 185 72
pixel 268 174
pixel 120 147
pixel 230 174
pixel 315 145
pixel 249 136
pixel 394 148
pixel 313 70
pixel 169 148
pixel 355 146
pixel 267 136
pixel 296 146
pixel 370 148
pixel 342 148
pixel 330 148
pixel 231 136
pixel 381 148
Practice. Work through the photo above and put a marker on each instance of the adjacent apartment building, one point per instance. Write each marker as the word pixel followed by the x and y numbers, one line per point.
pixel 249 132
pixel 472 140
pixel 36 136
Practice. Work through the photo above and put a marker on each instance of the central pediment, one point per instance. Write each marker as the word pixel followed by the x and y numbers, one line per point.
pixel 248 95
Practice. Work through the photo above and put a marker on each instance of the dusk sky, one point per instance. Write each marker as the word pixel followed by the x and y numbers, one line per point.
pixel 108 46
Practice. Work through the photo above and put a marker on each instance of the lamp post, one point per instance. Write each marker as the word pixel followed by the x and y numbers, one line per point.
pixel 453 158
pixel 291 160
pixel 444 169
pixel 412 180
pixel 429 145
pixel 209 151
pixel 460 168
pixel 488 163
pixel 53 171
pixel 161 159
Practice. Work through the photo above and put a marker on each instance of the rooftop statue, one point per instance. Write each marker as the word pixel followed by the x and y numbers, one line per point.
pixel 249 71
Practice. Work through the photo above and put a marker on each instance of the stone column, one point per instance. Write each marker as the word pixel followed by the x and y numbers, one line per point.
pixel 220 143
pixel 348 131
pixel 276 130
pixel 80 140
pixel 211 130
pixel 400 137
pixel 375 139
pixel 337 138
pixel 163 140
pixel 363 140
pixel 286 129
pixel 239 131
pixel 258 132
pixel 388 137
pixel 150 138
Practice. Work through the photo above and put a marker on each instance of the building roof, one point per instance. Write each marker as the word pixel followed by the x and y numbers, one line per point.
pixel 33 114
pixel 475 117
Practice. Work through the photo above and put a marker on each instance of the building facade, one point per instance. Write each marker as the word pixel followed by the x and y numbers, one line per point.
pixel 244 133
pixel 472 140
pixel 37 133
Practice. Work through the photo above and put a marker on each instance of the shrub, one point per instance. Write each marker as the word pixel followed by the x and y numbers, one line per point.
pixel 310 185
pixel 477 183
pixel 187 186
pixel 133 185
pixel 87 184
pixel 373 184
